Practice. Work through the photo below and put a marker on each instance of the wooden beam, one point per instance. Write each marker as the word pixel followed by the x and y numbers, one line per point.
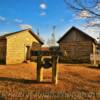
pixel 54 70
pixel 39 69
pixel 94 54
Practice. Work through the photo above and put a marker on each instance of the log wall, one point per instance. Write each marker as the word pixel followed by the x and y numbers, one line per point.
pixel 76 47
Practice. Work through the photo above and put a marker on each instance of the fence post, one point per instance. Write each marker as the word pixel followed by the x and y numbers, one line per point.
pixel 39 69
pixel 54 69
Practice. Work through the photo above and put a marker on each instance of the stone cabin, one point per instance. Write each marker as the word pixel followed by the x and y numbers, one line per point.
pixel 15 47
pixel 77 46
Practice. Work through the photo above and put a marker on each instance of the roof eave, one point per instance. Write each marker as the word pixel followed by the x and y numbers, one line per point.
pixel 36 36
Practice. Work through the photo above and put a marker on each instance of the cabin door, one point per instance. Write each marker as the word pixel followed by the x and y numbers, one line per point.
pixel 27 53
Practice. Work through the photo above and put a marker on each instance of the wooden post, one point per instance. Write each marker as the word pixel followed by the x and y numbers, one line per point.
pixel 94 54
pixel 54 69
pixel 39 69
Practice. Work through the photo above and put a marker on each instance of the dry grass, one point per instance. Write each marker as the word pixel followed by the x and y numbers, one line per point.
pixel 75 82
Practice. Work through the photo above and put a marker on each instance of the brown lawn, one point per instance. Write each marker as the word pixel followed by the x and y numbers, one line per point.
pixel 75 82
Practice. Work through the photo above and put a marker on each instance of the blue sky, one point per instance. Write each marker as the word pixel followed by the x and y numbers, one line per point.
pixel 17 13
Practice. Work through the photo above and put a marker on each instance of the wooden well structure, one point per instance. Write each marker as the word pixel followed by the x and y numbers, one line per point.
pixel 49 62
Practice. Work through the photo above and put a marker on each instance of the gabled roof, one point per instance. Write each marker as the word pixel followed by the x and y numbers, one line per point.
pixel 79 31
pixel 13 33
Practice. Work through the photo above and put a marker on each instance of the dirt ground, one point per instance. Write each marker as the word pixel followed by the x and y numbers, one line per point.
pixel 75 82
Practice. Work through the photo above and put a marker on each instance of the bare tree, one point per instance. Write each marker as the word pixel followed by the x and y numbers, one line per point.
pixel 92 7
pixel 87 9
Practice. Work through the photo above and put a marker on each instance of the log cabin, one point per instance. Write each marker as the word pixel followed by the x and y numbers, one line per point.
pixel 15 47
pixel 77 46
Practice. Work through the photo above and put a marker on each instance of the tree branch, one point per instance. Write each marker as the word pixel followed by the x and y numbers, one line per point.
pixel 77 5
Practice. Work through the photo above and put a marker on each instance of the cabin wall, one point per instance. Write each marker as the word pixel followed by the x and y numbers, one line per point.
pixel 77 51
pixel 17 47
pixel 76 48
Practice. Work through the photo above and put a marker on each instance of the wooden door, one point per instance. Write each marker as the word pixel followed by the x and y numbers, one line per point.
pixel 27 52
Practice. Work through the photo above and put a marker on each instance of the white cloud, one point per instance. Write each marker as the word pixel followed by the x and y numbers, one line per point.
pixel 42 13
pixel 89 30
pixel 98 6
pixel 25 26
pixel 2 18
pixel 83 14
pixel 95 23
pixel 18 20
pixel 2 33
pixel 43 6
pixel 92 32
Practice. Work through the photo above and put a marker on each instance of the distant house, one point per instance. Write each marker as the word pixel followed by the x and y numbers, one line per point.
pixel 15 47
pixel 77 46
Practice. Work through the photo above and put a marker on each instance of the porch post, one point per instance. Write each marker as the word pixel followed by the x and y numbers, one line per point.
pixel 94 54
pixel 39 69
pixel 54 70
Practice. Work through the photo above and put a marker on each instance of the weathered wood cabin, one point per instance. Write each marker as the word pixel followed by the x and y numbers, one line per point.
pixel 15 47
pixel 77 46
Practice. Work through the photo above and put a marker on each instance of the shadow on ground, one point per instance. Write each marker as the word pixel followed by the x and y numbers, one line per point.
pixel 94 67
pixel 25 81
